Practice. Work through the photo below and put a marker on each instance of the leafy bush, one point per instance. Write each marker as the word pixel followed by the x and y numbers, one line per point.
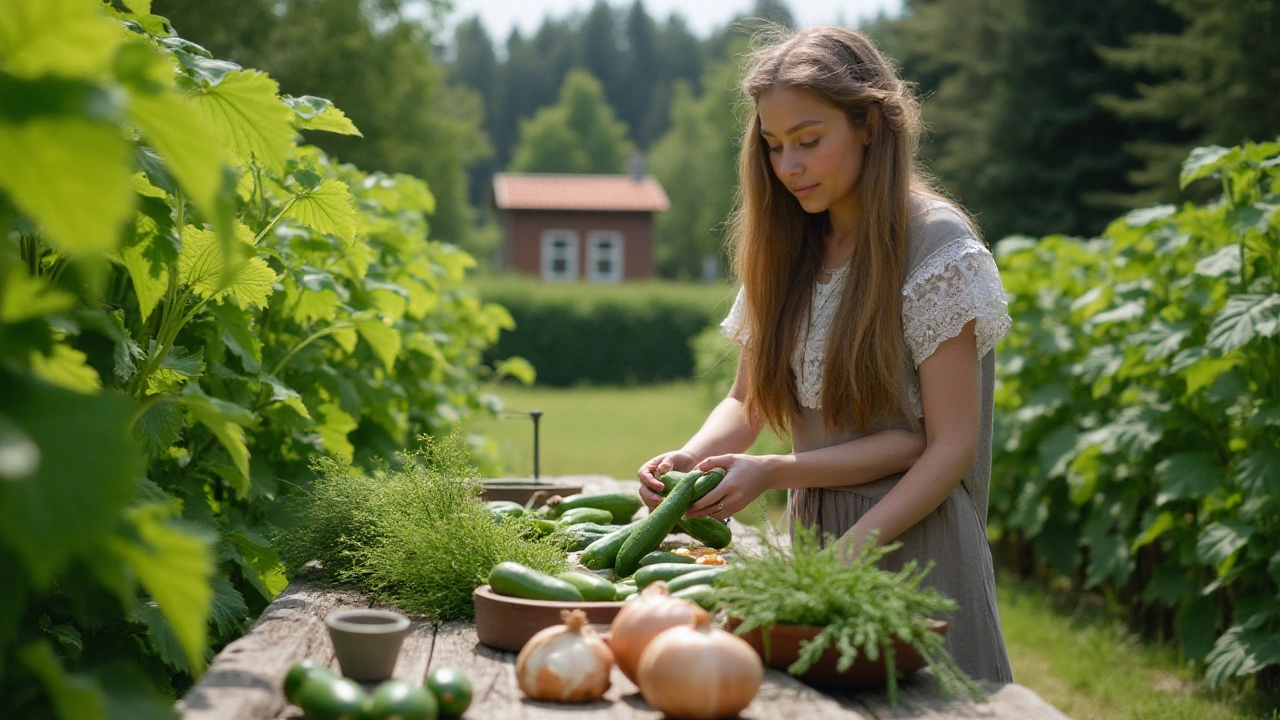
pixel 419 536
pixel 605 335
pixel 1138 414
pixel 191 306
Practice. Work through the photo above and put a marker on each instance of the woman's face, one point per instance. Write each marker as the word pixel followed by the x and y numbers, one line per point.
pixel 813 149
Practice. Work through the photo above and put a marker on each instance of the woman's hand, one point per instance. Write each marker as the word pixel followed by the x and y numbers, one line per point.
pixel 746 477
pixel 650 485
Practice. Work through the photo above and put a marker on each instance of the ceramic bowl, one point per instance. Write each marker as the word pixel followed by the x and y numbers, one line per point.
pixel 507 623
pixel 367 642
pixel 784 649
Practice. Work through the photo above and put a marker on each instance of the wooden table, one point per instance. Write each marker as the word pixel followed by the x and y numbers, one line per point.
pixel 243 682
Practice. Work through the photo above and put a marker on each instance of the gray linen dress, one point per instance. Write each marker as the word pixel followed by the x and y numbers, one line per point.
pixel 951 279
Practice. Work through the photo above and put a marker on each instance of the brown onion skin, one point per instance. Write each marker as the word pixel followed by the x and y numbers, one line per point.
pixel 639 621
pixel 699 673
pixel 578 671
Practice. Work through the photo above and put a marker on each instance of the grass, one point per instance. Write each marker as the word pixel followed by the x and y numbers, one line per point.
pixel 1088 665
pixel 1075 657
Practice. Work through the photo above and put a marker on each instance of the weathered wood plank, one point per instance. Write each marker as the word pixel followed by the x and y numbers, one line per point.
pixel 244 679
pixel 920 699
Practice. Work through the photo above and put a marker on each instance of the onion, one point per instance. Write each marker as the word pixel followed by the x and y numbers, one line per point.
pixel 699 673
pixel 563 663
pixel 640 620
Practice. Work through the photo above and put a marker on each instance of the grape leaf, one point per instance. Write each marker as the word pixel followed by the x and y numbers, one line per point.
pixel 248 114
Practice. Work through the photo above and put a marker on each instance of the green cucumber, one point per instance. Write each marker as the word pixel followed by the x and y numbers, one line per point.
pixel 503 509
pixel 603 552
pixel 707 530
pixel 662 556
pixel 586 514
pixel 621 504
pixel 592 587
pixel 516 580
pixel 648 536
pixel 702 577
pixel 664 571
pixel 706 482
pixel 700 594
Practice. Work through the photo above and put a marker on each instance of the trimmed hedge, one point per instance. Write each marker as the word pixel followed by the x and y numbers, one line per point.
pixel 635 333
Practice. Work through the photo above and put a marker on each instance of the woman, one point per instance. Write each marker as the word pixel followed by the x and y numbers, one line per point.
pixel 868 314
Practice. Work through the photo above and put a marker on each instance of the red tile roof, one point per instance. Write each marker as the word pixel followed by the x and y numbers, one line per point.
pixel 519 191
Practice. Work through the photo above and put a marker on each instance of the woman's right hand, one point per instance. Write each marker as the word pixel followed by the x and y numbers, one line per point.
pixel 650 485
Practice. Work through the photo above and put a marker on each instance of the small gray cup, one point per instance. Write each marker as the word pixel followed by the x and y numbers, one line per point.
pixel 367 642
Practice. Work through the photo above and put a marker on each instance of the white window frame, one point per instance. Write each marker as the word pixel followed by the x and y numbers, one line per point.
pixel 617 254
pixel 546 257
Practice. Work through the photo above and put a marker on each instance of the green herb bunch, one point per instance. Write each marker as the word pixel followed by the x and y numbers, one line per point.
pixel 860 607
pixel 417 536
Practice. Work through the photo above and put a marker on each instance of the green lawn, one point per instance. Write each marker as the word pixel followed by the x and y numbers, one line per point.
pixel 1082 662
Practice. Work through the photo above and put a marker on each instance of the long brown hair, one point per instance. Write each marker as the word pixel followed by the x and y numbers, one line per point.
pixel 779 246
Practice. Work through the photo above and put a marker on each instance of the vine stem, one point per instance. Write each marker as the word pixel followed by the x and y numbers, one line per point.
pixel 307 341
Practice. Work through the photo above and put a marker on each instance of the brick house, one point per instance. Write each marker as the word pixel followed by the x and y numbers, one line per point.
pixel 565 227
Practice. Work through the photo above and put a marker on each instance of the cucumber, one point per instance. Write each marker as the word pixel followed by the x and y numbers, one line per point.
pixel 584 515
pixel 624 590
pixel 665 571
pixel 700 594
pixel 707 530
pixel 662 556
pixel 503 509
pixel 516 580
pixel 703 577
pixel 592 587
pixel 648 536
pixel 705 483
pixel 579 539
pixel 621 504
pixel 603 552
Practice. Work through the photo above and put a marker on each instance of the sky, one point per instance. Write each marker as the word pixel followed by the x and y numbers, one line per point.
pixel 702 16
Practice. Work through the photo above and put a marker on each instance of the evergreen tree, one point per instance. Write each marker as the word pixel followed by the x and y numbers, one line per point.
pixel 1215 78
pixel 475 65
pixel 601 52
pixel 641 74
pixel 579 134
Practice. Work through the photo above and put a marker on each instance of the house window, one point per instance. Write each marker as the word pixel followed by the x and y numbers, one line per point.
pixel 559 255
pixel 604 256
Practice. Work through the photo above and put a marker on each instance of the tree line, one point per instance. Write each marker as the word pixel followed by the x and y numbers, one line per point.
pixel 1044 117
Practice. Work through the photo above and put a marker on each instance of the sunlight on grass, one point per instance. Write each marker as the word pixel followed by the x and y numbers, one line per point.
pixel 1090 666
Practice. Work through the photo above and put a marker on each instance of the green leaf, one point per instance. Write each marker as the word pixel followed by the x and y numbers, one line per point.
pixel 236 328
pixel 1161 340
pixel 1169 584
pixel 383 340
pixel 67 368
pixel 73 695
pixel 1241 652
pixel 1135 430
pixel 1132 310
pixel 187 140
pixel 1204 161
pixel 1188 475
pixel 227 421
pixel 158 427
pixel 1143 217
pixel 247 112
pixel 202 266
pixel 50 165
pixel 1267 414
pixel 1197 623
pixel 1219 542
pixel 328 209
pixel 1226 261
pixel 23 297
pixel 1259 472
pixel 518 368
pixel 262 567
pixel 164 641
pixel 227 611
pixel 314 113
pixel 68 38
pixel 84 479
pixel 19 454
pixel 282 393
pixel 1244 318
pixel 174 566
pixel 1163 523
pixel 335 425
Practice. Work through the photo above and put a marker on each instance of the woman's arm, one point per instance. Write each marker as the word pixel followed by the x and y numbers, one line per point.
pixel 859 461
pixel 950 393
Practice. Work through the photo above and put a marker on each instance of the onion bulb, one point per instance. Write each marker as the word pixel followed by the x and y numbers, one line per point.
pixel 640 620
pixel 699 672
pixel 565 663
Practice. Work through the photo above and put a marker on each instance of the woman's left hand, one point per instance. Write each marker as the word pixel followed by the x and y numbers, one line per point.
pixel 746 477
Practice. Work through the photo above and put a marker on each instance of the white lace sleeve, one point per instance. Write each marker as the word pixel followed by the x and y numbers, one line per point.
pixel 734 326
pixel 956 284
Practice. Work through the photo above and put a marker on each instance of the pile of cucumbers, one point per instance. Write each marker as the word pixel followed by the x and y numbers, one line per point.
pixel 600 526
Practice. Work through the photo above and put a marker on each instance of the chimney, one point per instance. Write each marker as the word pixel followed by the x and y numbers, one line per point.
pixel 635 165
